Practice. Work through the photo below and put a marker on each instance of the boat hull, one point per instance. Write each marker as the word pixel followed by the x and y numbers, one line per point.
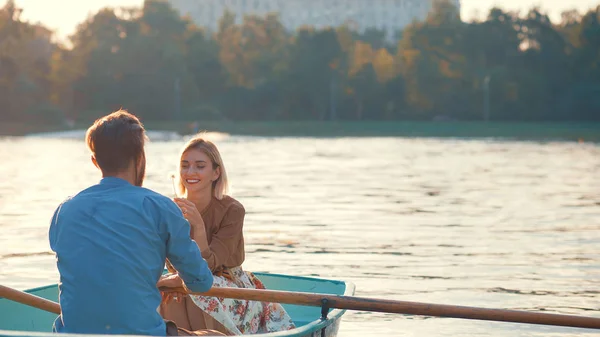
pixel 18 320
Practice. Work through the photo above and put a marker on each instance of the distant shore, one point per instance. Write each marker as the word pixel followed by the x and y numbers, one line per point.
pixel 586 132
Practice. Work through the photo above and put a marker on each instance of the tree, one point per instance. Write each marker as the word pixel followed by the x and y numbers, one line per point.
pixel 25 53
pixel 314 58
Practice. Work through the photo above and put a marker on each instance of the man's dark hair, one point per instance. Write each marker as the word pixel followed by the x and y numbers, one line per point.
pixel 115 140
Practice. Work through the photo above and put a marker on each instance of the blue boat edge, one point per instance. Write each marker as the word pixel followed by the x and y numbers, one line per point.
pixel 313 328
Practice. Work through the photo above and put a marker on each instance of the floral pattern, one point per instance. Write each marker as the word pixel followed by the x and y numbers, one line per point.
pixel 243 317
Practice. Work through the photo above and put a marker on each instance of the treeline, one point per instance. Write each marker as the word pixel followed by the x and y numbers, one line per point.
pixel 161 66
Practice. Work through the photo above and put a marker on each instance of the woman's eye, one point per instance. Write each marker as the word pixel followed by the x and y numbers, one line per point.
pixel 200 167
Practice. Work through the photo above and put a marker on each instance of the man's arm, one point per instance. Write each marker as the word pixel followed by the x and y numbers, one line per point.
pixel 183 252
pixel 52 237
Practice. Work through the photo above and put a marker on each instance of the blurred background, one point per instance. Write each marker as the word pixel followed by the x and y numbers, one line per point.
pixel 181 61
pixel 433 151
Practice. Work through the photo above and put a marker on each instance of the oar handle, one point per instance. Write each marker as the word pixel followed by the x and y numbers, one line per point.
pixel 400 307
pixel 29 299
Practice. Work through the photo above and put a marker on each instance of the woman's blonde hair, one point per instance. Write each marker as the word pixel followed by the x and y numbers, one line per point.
pixel 221 185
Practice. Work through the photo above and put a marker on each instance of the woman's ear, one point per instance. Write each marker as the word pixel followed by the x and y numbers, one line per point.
pixel 216 173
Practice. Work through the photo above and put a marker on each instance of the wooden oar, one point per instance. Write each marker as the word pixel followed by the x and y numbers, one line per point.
pixel 400 307
pixel 353 303
pixel 29 299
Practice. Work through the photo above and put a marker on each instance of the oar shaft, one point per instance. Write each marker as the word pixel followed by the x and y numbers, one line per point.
pixel 355 303
pixel 441 310
pixel 29 299
pixel 404 307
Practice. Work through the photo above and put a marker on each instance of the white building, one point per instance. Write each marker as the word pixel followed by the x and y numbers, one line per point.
pixel 387 15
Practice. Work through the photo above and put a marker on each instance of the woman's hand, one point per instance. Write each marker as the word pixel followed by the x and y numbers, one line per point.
pixel 198 229
pixel 168 296
pixel 191 213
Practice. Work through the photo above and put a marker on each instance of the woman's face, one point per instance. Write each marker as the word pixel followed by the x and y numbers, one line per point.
pixel 196 171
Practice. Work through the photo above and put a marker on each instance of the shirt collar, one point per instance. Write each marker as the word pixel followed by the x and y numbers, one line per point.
pixel 114 181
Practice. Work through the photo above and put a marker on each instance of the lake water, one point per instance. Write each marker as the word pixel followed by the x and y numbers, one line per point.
pixel 488 223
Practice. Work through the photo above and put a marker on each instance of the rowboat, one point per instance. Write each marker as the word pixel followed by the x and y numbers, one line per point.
pixel 309 301
pixel 19 320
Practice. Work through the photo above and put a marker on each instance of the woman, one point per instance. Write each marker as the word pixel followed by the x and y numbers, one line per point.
pixel 216 221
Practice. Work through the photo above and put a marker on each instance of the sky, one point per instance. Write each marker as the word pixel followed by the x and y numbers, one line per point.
pixel 62 16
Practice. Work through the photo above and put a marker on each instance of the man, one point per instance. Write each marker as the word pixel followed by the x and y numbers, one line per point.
pixel 111 241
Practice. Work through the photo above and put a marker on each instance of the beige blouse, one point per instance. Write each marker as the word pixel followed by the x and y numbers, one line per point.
pixel 224 222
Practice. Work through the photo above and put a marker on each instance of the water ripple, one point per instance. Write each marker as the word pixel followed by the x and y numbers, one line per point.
pixel 492 223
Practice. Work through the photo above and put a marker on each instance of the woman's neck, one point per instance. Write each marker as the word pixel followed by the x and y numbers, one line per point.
pixel 201 199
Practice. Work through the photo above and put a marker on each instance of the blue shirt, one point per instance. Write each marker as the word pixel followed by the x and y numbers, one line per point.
pixel 111 241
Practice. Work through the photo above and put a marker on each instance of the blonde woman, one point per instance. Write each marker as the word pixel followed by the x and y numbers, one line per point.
pixel 217 222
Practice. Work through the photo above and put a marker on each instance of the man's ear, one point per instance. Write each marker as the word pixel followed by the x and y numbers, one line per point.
pixel 94 161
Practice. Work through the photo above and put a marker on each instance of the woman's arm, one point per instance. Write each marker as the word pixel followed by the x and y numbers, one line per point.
pixel 226 242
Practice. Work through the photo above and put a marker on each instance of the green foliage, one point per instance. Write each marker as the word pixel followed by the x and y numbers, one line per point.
pixel 161 66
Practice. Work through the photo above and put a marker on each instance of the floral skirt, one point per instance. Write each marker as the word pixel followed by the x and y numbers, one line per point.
pixel 241 316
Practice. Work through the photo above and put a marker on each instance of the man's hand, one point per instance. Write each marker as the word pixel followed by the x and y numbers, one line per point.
pixel 172 288
pixel 170 281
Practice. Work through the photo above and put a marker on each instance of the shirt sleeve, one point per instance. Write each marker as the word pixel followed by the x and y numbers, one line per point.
pixel 183 252
pixel 52 237
pixel 228 240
